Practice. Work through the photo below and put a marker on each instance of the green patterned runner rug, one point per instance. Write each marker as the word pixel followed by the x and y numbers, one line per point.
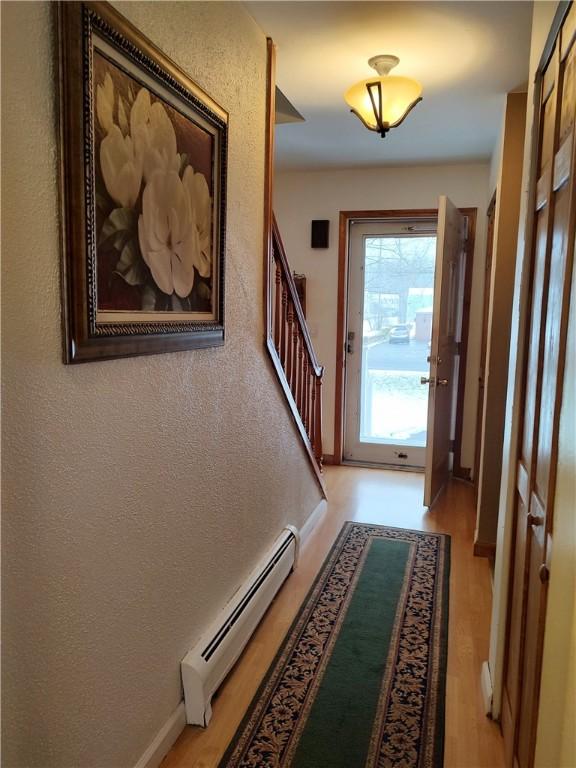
pixel 360 679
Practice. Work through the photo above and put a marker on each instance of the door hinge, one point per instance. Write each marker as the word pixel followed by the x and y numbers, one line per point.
pixel 451 446
pixel 457 348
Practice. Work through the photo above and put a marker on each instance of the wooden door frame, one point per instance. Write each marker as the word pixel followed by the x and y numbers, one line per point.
pixel 268 183
pixel 343 246
pixel 491 220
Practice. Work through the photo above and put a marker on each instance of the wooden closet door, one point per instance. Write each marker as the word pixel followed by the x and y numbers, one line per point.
pixel 551 259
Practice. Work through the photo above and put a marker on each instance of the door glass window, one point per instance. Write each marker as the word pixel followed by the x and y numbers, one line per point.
pixel 397 326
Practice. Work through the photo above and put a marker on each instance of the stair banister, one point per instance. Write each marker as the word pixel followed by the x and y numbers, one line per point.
pixel 286 332
pixel 292 352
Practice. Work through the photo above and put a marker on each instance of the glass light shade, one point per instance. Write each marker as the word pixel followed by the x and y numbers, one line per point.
pixel 399 94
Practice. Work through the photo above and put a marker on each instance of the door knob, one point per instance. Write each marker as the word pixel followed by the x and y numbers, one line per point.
pixel 534 520
pixel 543 573
pixel 442 382
pixel 431 380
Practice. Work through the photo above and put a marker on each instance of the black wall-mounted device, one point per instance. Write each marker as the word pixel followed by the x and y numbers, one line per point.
pixel 320 232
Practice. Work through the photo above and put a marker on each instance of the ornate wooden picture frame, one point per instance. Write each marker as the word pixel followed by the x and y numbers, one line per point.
pixel 143 190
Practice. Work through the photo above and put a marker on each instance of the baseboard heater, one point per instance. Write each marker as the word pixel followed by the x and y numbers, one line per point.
pixel 208 663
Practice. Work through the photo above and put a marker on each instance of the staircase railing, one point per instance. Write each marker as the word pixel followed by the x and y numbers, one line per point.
pixel 287 338
pixel 292 353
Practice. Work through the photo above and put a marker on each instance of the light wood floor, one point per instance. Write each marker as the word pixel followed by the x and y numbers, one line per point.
pixel 389 498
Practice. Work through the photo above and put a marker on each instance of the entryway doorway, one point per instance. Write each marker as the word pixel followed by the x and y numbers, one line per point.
pixel 404 291
pixel 389 321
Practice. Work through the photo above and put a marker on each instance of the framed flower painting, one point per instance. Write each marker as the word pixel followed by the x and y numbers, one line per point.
pixel 143 178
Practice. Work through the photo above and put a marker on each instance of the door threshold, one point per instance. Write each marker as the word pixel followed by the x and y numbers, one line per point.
pixel 378 465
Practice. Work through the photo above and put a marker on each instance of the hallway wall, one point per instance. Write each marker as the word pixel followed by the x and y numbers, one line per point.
pixel 137 493
pixel 501 290
pixel 301 196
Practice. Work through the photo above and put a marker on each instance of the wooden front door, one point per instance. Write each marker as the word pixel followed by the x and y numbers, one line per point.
pixel 442 381
pixel 554 207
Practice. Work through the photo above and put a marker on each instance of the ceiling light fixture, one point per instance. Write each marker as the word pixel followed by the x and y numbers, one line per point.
pixel 383 102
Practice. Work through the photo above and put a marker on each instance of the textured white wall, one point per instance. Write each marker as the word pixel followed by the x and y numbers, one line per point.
pixel 300 197
pixel 137 493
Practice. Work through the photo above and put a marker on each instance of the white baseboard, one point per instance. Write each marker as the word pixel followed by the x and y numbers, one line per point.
pixel 164 739
pixel 173 727
pixel 486 687
pixel 312 521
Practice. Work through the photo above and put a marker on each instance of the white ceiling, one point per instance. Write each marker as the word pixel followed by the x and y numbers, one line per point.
pixel 467 55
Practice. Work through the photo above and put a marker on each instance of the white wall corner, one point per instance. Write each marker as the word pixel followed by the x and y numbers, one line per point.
pixel 486 688
pixel 164 739
pixel 312 521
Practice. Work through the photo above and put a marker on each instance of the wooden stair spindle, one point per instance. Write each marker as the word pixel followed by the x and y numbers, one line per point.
pixel 299 385
pixel 284 324
pixel 277 304
pixel 318 421
pixel 312 429
pixel 294 379
pixel 305 394
pixel 289 368
pixel 310 406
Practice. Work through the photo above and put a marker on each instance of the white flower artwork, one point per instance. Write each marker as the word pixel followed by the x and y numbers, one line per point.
pixel 154 135
pixel 201 204
pixel 159 208
pixel 143 168
pixel 105 102
pixel 121 169
pixel 168 233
